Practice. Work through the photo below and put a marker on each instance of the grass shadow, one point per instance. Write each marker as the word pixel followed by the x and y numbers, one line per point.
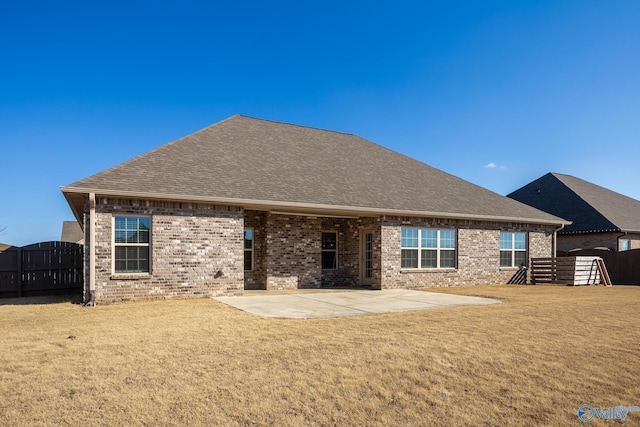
pixel 43 300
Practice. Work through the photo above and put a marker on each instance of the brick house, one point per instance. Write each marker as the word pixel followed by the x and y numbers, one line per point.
pixel 601 218
pixel 254 204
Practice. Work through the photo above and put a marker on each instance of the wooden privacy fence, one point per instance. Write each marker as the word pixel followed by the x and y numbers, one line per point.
pixel 47 268
pixel 583 270
pixel 624 267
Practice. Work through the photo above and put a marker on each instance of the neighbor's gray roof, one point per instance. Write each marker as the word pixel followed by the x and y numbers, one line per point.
pixel 270 165
pixel 71 232
pixel 591 208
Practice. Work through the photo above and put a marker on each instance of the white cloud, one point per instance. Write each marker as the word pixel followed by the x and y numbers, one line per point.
pixel 493 165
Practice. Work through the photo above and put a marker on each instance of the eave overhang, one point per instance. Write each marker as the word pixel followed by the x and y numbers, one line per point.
pixel 76 197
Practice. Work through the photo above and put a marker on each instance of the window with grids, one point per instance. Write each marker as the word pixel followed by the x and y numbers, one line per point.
pixel 248 249
pixel 329 250
pixel 513 249
pixel 131 244
pixel 428 248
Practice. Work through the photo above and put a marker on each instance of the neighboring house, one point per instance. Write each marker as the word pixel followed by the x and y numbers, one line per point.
pixel 601 218
pixel 254 204
pixel 72 232
pixel 4 247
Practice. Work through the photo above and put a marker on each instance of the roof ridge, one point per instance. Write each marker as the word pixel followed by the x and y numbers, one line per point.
pixel 568 187
pixel 153 150
pixel 380 146
pixel 170 143
pixel 593 184
pixel 590 203
pixel 290 124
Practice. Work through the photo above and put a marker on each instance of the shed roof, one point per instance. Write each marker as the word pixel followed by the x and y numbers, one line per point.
pixel 263 164
pixel 592 208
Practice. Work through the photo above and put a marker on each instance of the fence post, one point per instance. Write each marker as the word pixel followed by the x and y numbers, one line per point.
pixel 19 271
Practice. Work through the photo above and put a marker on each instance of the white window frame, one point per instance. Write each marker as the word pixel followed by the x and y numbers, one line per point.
pixel 438 249
pixel 334 250
pixel 248 249
pixel 513 250
pixel 115 245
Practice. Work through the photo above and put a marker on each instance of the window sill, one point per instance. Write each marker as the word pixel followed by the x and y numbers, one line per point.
pixel 428 270
pixel 130 276
pixel 509 268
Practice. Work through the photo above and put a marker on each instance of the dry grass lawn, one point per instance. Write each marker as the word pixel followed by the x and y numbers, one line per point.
pixel 531 360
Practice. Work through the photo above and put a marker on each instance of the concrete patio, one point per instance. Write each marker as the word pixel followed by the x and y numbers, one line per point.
pixel 329 303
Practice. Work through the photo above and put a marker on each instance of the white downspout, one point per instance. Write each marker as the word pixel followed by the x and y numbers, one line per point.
pixel 92 250
pixel 555 240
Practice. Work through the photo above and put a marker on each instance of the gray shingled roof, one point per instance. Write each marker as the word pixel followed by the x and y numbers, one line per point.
pixel 263 164
pixel 591 208
pixel 71 232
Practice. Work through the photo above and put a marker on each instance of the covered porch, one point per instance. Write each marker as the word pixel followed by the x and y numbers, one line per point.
pixel 285 250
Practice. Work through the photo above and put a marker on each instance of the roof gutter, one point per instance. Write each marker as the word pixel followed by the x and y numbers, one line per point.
pixel 555 240
pixel 302 208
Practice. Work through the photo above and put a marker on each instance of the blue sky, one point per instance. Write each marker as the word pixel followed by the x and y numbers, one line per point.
pixel 496 92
